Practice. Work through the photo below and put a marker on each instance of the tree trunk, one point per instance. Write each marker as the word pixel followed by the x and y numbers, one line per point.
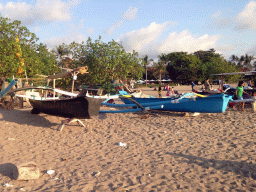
pixel 146 76
pixel 160 79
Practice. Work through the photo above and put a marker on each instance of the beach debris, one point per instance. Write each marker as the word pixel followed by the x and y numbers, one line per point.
pixel 191 114
pixel 50 172
pixel 11 139
pixel 64 159
pixel 122 189
pixel 122 144
pixel 54 179
pixel 95 174
pixel 143 116
pixel 7 185
pixel 177 133
pixel 26 171
pixel 22 189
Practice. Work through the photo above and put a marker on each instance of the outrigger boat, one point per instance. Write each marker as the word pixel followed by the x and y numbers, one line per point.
pixel 190 102
pixel 78 106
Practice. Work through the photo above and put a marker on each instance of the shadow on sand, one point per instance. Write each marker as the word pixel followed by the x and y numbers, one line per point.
pixel 24 117
pixel 6 169
pixel 238 167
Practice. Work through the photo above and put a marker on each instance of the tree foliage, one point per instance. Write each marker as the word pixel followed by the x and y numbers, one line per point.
pixel 19 51
pixel 244 61
pixel 106 61
pixel 198 66
pixel 183 66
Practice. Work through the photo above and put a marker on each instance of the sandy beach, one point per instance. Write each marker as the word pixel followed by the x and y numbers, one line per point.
pixel 165 152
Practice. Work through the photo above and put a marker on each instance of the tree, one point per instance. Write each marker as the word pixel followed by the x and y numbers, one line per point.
pixel 199 65
pixel 106 62
pixel 247 62
pixel 159 70
pixel 145 64
pixel 183 66
pixel 19 52
pixel 244 62
pixel 205 56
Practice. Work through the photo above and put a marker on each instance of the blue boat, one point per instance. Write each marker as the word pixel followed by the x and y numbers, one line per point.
pixel 207 104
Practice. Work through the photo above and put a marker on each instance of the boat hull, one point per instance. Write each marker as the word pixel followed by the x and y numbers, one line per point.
pixel 210 104
pixel 79 107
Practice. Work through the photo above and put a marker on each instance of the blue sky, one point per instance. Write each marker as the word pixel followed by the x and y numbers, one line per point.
pixel 147 26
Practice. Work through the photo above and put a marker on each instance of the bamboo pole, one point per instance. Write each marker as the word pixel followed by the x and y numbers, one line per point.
pixel 46 92
pixel 53 86
pixel 73 81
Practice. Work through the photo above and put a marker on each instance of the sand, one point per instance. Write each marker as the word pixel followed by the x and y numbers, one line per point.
pixel 169 152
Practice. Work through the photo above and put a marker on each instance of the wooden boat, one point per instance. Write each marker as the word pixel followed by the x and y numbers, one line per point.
pixel 79 107
pixel 207 104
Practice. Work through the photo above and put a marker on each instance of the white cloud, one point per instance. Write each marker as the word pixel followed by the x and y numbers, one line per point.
pixel 67 39
pixel 251 50
pixel 184 41
pixel 128 15
pixel 138 40
pixel 90 30
pixel 1 7
pixel 111 29
pixel 145 41
pixel 245 20
pixel 226 48
pixel 217 14
pixel 42 11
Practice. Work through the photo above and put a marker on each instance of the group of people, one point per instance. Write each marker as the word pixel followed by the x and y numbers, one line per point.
pixel 238 93
pixel 169 90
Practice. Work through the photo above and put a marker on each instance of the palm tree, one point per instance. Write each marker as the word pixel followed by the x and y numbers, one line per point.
pixel 163 58
pixel 61 51
pixel 145 64
pixel 161 65
pixel 254 65
pixel 160 69
pixel 247 61
pixel 234 58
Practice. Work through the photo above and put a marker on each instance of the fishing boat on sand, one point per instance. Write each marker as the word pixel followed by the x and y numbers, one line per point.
pixel 73 106
pixel 188 103
pixel 80 107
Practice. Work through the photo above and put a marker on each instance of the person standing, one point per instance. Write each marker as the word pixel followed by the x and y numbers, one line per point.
pixel 192 85
pixel 168 88
pixel 160 92
pixel 249 83
pixel 132 83
pixel 207 85
pixel 239 93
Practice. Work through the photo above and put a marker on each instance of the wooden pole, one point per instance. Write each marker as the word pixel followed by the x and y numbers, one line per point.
pixel 73 81
pixel 75 73
pixel 46 92
pixel 221 84
pixel 53 86
pixel 26 77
